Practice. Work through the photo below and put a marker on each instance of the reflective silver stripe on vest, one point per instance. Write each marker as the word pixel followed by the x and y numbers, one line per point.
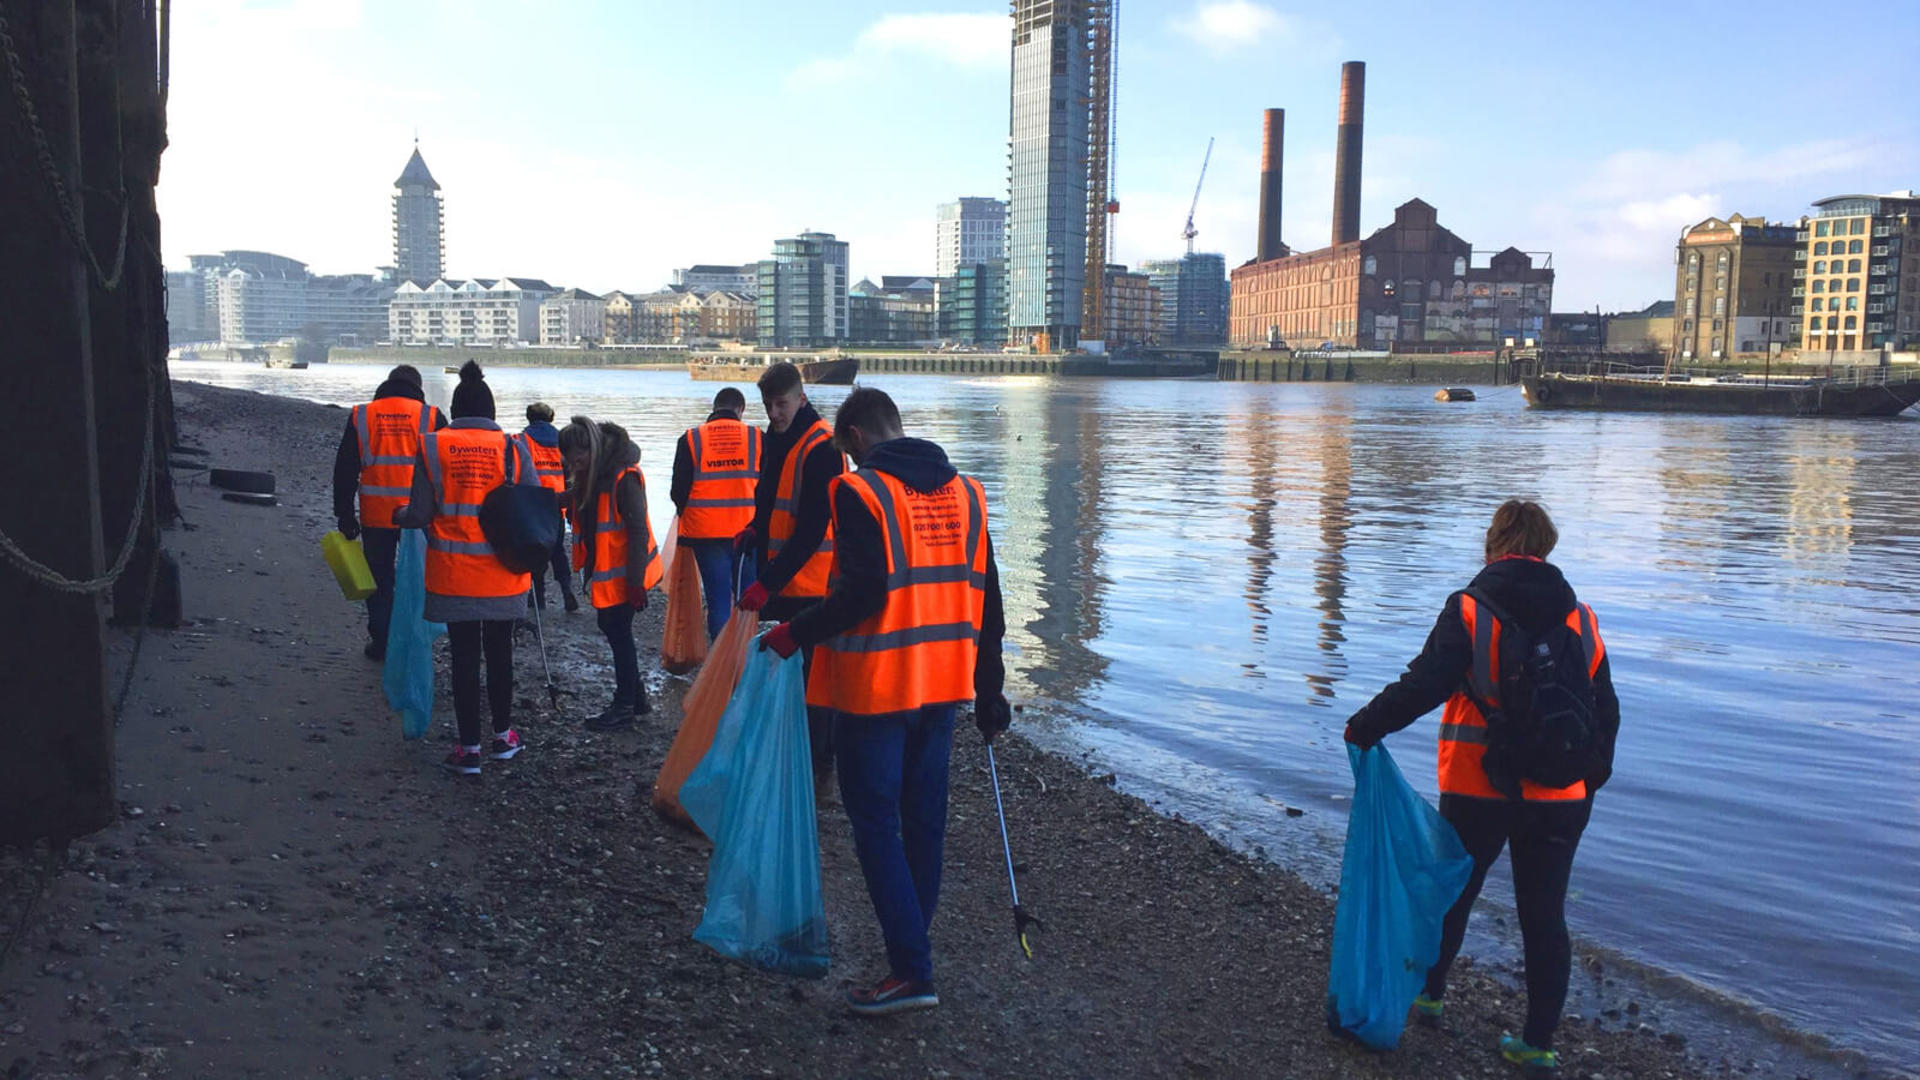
pixel 360 428
pixel 430 453
pixel 521 461
pixel 385 459
pixel 386 492
pixel 459 547
pixel 1482 678
pixel 798 460
pixel 1463 733
pixel 719 503
pixel 609 575
pixel 902 639
pixel 426 419
pixel 734 474
pixel 460 509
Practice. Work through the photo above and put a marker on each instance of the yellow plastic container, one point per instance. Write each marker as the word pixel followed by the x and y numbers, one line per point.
pixel 349 565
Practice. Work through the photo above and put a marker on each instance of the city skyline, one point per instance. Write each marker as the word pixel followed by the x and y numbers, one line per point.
pixel 1553 130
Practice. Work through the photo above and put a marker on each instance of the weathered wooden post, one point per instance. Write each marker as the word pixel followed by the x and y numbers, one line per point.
pixel 56 778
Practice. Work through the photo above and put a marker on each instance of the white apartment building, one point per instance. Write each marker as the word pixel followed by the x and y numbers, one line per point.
pixel 475 312
pixel 967 232
pixel 707 278
pixel 572 316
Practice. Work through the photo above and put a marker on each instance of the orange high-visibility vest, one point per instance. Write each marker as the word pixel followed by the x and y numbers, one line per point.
pixel 389 431
pixel 811 579
pixel 547 463
pixel 920 650
pixel 1463 730
pixel 726 464
pixel 465 464
pixel 607 586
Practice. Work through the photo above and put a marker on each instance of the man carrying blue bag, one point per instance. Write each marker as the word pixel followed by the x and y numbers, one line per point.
pixel 910 629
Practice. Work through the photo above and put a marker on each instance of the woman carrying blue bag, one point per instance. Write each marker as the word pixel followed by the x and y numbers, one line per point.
pixel 1517 631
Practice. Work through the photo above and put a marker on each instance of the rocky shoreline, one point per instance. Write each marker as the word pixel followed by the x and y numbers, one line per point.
pixel 293 890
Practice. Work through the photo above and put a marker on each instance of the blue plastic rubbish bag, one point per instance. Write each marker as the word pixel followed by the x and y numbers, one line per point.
pixel 752 794
pixel 409 672
pixel 1404 867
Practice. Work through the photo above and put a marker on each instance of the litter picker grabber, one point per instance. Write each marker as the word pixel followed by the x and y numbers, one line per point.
pixel 1021 920
pixel 540 631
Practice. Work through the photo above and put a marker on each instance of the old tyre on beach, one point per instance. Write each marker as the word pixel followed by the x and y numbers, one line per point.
pixel 242 480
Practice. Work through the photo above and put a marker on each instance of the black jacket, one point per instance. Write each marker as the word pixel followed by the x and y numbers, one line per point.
pixel 859 549
pixel 1533 594
pixel 346 460
pixel 810 527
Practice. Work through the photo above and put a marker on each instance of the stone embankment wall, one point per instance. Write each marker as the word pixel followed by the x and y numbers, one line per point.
pixel 426 358
pixel 1253 365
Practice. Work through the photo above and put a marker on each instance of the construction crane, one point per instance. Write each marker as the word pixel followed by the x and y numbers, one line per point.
pixel 1190 232
pixel 1103 69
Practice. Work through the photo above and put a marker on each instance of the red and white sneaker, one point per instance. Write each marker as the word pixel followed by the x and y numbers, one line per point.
pixel 505 745
pixel 463 761
pixel 892 996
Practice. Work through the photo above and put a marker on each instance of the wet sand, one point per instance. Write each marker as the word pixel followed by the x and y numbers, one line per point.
pixel 293 890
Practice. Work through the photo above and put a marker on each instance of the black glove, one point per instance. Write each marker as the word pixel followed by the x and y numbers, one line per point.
pixel 992 716
pixel 350 528
pixel 1363 740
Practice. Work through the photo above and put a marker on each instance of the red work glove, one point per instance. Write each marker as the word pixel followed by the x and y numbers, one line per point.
pixel 754 598
pixel 745 540
pixel 780 641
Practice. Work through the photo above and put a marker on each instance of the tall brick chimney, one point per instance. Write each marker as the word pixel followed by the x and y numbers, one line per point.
pixel 1272 149
pixel 1346 162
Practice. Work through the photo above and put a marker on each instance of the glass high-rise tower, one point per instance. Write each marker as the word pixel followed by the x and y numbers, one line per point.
pixel 1047 170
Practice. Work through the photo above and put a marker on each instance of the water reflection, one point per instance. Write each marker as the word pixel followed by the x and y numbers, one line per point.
pixel 1334 442
pixel 1069 612
pixel 1180 558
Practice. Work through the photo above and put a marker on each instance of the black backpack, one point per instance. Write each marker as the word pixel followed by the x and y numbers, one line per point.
pixel 521 519
pixel 1543 728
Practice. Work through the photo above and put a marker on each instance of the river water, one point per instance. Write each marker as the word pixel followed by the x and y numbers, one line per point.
pixel 1205 579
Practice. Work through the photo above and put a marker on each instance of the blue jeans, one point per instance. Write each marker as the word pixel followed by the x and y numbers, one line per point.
pixel 893 782
pixel 715 559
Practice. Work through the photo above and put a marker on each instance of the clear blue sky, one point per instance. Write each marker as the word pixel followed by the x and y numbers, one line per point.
pixel 601 144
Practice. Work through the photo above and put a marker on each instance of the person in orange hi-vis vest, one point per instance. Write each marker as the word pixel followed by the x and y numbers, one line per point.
pixel 910 629
pixel 716 467
pixel 1489 801
pixel 467 586
pixel 792 530
pixel 542 440
pixel 613 547
pixel 373 473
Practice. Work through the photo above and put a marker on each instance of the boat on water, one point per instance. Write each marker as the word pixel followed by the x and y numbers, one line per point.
pixel 835 371
pixel 1869 390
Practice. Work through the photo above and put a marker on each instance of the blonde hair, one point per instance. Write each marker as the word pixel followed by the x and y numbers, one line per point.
pixel 1521 527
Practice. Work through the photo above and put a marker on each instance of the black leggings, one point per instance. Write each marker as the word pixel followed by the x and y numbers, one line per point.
pixel 469 641
pixel 1543 836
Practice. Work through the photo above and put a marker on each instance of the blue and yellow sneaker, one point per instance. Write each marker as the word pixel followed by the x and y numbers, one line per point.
pixel 1533 1061
pixel 1426 1010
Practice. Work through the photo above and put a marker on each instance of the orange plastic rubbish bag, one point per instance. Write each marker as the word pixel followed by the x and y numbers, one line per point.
pixel 700 713
pixel 684 646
